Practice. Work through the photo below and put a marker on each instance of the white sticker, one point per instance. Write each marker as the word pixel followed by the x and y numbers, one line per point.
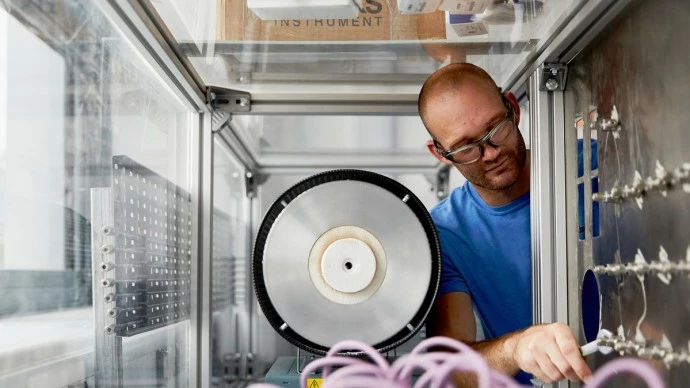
pixel 470 29
pixel 464 7
pixel 410 7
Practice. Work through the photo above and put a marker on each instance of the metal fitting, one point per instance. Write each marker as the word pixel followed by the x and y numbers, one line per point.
pixel 608 125
pixel 109 298
pixel 107 249
pixel 107 282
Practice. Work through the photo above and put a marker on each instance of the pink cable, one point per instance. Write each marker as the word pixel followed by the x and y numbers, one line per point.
pixel 362 347
pixel 402 368
pixel 455 362
pixel 627 365
pixel 437 368
pixel 326 363
pixel 366 370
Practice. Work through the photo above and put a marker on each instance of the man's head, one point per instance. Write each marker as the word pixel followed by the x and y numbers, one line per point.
pixel 460 104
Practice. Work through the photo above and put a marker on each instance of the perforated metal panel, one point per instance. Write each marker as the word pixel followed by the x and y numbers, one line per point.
pixel 150 261
pixel 223 264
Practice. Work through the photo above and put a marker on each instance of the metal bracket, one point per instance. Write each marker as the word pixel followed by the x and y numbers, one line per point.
pixel 228 100
pixel 554 77
pixel 440 181
pixel 252 182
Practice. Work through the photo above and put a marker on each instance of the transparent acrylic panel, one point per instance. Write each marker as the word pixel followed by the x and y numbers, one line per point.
pixel 336 140
pixel 231 265
pixel 379 48
pixel 74 93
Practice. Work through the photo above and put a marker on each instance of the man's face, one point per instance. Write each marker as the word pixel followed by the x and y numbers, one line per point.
pixel 462 117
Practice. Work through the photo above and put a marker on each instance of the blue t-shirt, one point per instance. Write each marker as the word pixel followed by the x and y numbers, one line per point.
pixel 487 254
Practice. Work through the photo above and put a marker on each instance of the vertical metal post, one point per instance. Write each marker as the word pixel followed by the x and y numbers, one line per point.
pixel 108 346
pixel 540 205
pixel 548 206
pixel 202 325
pixel 560 207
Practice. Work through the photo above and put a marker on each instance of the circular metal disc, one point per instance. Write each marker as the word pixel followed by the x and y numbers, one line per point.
pixel 382 207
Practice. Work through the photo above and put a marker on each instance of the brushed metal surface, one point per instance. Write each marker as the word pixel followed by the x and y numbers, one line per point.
pixel 319 210
pixel 640 65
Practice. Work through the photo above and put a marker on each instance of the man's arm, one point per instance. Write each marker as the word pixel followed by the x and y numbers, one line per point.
pixel 549 352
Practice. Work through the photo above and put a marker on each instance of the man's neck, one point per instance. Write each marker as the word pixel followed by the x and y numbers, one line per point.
pixel 503 197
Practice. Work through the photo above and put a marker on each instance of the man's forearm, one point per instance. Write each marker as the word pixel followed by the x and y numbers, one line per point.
pixel 498 352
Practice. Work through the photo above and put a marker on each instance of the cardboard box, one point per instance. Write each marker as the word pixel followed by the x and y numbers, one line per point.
pixel 377 20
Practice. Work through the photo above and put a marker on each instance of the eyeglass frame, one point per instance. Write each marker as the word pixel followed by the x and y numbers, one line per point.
pixel 509 116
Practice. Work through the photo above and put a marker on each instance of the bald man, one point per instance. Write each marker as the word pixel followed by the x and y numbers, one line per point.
pixel 484 228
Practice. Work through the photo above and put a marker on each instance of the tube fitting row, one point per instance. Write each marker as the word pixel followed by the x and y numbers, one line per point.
pixel 655 267
pixel 654 352
pixel 661 183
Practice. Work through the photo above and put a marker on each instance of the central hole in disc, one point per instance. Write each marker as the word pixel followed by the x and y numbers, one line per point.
pixel 348 265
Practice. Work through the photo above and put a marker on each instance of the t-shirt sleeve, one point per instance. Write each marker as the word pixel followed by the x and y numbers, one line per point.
pixel 451 278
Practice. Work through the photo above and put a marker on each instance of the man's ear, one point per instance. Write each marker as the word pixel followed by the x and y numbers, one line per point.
pixel 432 148
pixel 512 100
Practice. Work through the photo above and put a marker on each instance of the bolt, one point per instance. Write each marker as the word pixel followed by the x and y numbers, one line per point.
pixel 110 329
pixel 107 230
pixel 107 282
pixel 109 298
pixel 107 249
pixel 244 102
pixel 551 84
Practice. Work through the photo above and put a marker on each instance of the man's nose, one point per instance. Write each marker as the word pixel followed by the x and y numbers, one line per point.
pixel 490 152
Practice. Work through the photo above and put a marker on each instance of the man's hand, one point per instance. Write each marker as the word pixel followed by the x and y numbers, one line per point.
pixel 549 352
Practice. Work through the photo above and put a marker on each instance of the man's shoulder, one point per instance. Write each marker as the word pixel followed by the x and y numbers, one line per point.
pixel 449 211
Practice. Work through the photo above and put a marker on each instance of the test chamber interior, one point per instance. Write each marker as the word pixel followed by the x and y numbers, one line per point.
pixel 134 78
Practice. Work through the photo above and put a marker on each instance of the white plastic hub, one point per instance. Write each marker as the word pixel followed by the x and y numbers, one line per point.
pixel 348 265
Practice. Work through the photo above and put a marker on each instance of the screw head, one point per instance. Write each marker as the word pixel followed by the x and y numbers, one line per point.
pixel 244 102
pixel 551 84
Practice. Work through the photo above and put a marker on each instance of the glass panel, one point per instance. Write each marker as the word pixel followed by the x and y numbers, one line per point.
pixel 321 134
pixel 231 266
pixel 74 93
pixel 379 48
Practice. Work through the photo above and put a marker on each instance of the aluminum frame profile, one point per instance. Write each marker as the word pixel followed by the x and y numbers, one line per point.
pixel 548 209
